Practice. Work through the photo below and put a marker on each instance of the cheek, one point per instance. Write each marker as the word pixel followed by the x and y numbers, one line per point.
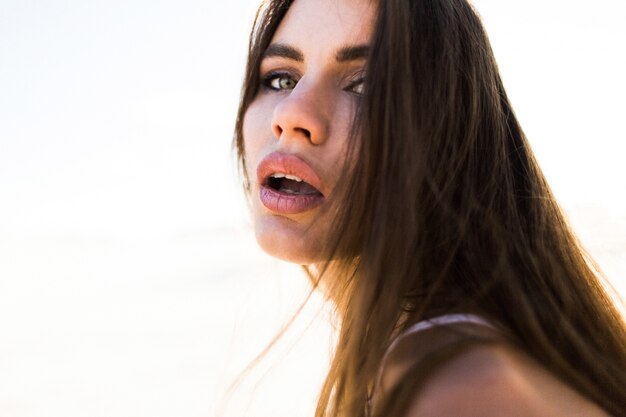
pixel 256 132
pixel 343 143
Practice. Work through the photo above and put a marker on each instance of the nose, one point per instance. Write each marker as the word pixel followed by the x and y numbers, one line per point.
pixel 303 114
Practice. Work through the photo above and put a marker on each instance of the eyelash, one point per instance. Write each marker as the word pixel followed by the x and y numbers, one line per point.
pixel 357 81
pixel 268 79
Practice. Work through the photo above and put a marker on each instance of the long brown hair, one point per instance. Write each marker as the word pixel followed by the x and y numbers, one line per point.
pixel 446 210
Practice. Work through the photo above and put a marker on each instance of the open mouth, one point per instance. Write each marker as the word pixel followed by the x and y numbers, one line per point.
pixel 290 184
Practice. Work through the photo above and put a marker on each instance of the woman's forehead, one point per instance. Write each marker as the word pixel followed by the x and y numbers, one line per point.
pixel 324 26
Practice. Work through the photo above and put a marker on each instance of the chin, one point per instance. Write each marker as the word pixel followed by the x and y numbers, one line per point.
pixel 288 241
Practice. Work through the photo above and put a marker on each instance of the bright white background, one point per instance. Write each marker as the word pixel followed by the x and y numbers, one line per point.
pixel 130 284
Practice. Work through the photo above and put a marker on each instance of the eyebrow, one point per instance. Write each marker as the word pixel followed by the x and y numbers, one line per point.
pixel 345 54
pixel 352 53
pixel 281 50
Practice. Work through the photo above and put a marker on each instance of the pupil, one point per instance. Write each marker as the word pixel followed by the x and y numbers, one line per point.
pixel 286 83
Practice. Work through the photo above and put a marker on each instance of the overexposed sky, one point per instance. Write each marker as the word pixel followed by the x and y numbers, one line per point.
pixel 116 116
pixel 562 62
pixel 128 273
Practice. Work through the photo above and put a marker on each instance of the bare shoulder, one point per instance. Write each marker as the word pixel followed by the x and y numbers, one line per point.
pixel 491 380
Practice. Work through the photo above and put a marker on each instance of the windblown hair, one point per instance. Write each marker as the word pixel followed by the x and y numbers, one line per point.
pixel 446 210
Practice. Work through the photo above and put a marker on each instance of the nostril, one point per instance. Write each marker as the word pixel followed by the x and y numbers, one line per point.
pixel 278 131
pixel 305 132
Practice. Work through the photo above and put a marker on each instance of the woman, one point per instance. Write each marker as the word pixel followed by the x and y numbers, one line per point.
pixel 381 152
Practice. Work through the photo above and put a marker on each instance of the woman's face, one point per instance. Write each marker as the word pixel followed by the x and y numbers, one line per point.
pixel 297 128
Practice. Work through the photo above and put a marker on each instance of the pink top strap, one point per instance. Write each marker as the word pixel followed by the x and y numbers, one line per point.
pixel 445 320
pixel 439 321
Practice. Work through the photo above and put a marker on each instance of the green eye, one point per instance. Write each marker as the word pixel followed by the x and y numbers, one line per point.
pixel 286 83
pixel 356 85
pixel 280 82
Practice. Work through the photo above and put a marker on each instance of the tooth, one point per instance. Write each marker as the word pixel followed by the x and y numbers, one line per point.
pixel 278 175
pixel 293 178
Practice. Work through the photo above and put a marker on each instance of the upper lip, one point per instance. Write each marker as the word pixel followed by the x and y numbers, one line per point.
pixel 289 164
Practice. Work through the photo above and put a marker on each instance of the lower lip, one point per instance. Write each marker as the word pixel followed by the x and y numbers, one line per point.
pixel 288 203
